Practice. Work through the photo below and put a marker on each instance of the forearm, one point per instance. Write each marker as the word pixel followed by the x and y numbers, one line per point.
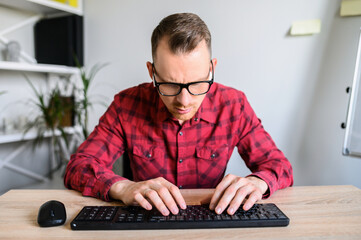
pixel 276 173
pixel 86 175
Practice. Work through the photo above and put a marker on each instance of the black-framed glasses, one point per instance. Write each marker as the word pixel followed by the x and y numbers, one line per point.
pixel 173 89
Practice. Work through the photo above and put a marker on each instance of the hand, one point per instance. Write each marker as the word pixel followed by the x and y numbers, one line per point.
pixel 164 195
pixel 233 190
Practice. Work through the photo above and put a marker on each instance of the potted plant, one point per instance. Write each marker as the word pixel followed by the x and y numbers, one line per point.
pixel 55 113
pixel 85 102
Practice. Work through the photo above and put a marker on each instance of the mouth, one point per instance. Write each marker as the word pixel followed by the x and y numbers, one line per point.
pixel 183 111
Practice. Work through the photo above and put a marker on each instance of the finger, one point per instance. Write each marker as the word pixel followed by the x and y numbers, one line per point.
pixel 177 196
pixel 153 196
pixel 167 198
pixel 142 201
pixel 221 187
pixel 230 194
pixel 237 201
pixel 252 199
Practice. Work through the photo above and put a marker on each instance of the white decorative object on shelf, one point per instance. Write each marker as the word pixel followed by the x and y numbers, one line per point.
pixel 12 51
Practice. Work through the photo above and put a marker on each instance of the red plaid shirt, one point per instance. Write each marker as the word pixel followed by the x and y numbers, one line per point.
pixel 192 155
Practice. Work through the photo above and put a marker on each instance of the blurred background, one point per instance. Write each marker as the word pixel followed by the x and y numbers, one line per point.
pixel 296 84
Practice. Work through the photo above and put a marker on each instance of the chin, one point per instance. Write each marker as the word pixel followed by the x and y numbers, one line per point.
pixel 184 117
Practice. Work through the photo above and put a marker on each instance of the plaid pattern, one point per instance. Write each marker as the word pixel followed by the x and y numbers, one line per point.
pixel 192 155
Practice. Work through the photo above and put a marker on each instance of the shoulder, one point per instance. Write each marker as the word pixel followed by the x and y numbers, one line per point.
pixel 225 95
pixel 144 92
pixel 136 98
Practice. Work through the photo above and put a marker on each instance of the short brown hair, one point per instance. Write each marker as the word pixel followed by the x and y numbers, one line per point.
pixel 185 32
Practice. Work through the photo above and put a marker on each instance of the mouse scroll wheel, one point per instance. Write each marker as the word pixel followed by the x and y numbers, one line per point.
pixel 52 213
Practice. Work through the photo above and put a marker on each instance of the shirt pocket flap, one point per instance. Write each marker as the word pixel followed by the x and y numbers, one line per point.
pixel 150 152
pixel 210 153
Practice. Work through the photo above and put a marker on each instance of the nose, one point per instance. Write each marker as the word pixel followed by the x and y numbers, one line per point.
pixel 184 97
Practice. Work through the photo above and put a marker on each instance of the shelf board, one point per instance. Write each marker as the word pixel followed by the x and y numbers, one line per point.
pixel 41 68
pixel 32 134
pixel 43 6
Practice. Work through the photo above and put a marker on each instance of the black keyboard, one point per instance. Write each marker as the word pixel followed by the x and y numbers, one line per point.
pixel 195 216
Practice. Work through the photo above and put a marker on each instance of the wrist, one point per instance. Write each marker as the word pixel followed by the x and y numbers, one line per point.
pixel 260 183
pixel 117 189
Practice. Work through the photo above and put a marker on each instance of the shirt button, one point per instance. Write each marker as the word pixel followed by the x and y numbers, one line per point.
pixel 181 133
pixel 149 155
pixel 180 187
pixel 213 155
pixel 180 160
pixel 196 119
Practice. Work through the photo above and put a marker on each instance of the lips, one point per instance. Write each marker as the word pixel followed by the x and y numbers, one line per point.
pixel 183 111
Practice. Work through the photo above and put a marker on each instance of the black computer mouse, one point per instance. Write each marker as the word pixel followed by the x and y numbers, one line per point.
pixel 51 213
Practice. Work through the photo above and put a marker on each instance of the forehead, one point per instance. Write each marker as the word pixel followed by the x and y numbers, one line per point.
pixel 175 66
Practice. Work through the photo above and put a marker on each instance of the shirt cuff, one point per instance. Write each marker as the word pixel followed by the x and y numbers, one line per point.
pixel 103 184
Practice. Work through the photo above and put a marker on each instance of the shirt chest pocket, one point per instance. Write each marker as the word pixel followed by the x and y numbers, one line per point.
pixel 146 162
pixel 211 165
pixel 147 153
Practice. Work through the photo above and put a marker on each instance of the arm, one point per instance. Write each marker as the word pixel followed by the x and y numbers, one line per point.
pixel 270 169
pixel 90 168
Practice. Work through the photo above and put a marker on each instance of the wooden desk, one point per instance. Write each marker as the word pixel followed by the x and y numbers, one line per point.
pixel 322 212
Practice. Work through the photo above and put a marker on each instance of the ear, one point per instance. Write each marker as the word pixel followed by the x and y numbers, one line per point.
pixel 150 69
pixel 214 61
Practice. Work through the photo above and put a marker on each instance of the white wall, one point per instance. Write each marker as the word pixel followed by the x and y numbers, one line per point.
pixel 295 84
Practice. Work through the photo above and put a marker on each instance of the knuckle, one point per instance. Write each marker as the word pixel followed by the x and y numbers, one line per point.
pixel 242 192
pixel 151 193
pixel 163 190
pixel 173 188
pixel 134 193
pixel 240 181
pixel 219 187
pixel 232 188
pixel 160 179
pixel 151 181
pixel 229 176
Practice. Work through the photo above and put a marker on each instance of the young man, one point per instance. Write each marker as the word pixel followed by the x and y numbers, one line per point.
pixel 179 132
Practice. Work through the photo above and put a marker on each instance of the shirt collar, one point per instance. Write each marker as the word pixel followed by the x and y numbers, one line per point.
pixel 206 110
pixel 160 112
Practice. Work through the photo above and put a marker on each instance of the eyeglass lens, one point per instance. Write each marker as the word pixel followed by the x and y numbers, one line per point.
pixel 194 88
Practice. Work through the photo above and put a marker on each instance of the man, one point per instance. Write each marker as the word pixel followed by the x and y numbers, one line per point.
pixel 179 132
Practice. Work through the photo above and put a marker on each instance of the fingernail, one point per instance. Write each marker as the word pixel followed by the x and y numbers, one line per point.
pixel 165 212
pixel 211 206
pixel 218 210
pixel 175 210
pixel 183 206
pixel 231 210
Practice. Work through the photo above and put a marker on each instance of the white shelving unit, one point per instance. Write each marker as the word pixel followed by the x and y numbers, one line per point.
pixel 19 137
pixel 43 6
pixel 32 134
pixel 41 68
